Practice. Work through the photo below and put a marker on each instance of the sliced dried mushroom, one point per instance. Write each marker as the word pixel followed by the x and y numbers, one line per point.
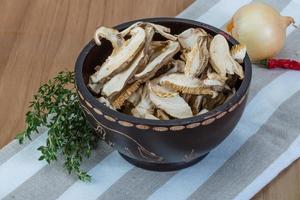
pixel 127 107
pixel 145 108
pixel 162 115
pixel 196 55
pixel 149 30
pixel 196 59
pixel 238 52
pixel 136 97
pixel 171 102
pixel 118 82
pixel 173 66
pixel 127 30
pixel 187 97
pixel 163 31
pixel 196 104
pixel 178 65
pixel 105 102
pixel 120 59
pixel 156 48
pixel 153 66
pixel 210 103
pixel 150 116
pixel 215 76
pixel 203 111
pixel 185 84
pixel 111 35
pixel 209 39
pixel 220 58
pixel 161 91
pixel 212 82
pixel 95 87
pixel 190 37
pixel 125 94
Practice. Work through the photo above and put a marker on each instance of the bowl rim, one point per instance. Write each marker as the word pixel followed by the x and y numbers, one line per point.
pixel 240 93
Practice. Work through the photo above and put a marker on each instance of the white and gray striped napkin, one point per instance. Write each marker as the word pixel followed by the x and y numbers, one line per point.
pixel 265 141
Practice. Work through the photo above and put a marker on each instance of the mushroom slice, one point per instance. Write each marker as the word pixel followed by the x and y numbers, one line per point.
pixel 238 52
pixel 119 61
pixel 105 102
pixel 165 55
pixel 171 102
pixel 155 49
pixel 149 30
pixel 209 39
pixel 196 59
pixel 215 76
pixel 145 107
pixel 221 60
pixel 213 82
pixel 125 94
pixel 187 97
pixel 95 87
pixel 135 98
pixel 118 82
pixel 203 111
pixel 162 115
pixel 163 31
pixel 185 84
pixel 196 104
pixel 111 35
pixel 190 37
pixel 178 66
pixel 150 116
pixel 127 30
pixel 210 103
pixel 158 44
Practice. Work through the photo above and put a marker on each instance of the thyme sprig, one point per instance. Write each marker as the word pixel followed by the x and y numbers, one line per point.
pixel 56 107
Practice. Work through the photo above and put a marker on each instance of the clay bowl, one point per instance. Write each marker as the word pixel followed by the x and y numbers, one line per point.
pixel 153 144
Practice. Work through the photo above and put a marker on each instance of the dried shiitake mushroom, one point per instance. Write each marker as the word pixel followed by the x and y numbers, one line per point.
pixel 194 42
pixel 221 59
pixel 185 84
pixel 182 76
pixel 121 56
pixel 118 82
pixel 161 59
pixel 169 101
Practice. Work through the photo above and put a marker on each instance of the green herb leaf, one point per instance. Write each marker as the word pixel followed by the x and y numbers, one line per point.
pixel 56 106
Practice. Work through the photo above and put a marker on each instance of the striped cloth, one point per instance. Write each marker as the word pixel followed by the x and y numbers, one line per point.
pixel 265 141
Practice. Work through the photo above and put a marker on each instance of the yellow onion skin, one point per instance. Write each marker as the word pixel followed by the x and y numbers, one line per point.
pixel 261 28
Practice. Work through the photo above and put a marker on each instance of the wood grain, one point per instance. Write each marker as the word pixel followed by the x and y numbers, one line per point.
pixel 38 38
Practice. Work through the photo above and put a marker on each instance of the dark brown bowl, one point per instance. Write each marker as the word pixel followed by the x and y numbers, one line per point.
pixel 153 144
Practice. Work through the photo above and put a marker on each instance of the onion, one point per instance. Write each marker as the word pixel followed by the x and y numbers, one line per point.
pixel 261 28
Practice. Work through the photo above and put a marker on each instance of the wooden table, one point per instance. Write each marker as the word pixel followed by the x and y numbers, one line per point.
pixel 38 38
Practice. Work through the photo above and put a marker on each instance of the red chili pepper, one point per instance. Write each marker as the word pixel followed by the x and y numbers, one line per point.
pixel 283 63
